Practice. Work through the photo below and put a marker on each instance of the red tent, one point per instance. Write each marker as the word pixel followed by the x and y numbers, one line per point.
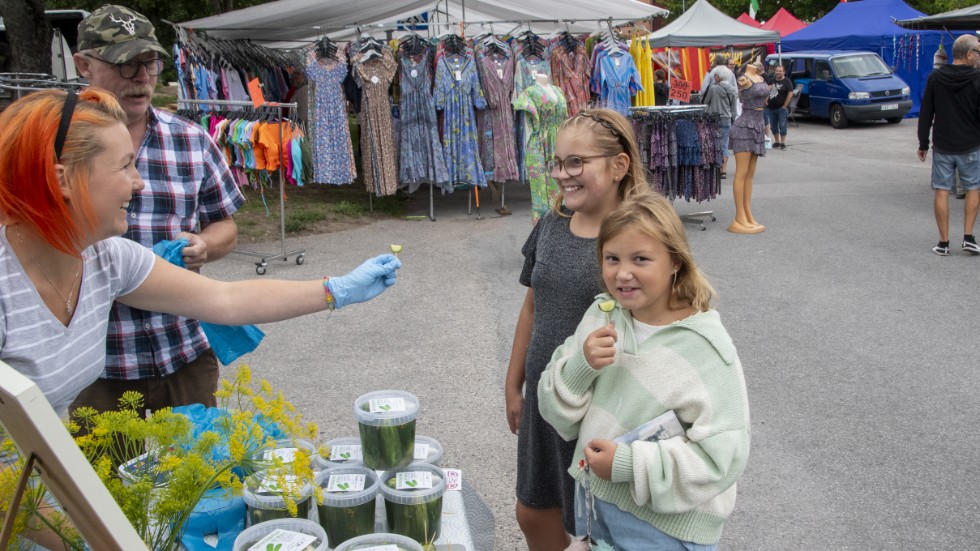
pixel 745 18
pixel 783 22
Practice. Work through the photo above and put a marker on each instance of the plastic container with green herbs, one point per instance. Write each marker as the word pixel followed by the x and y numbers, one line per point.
pixel 349 495
pixel 413 501
pixel 284 535
pixel 386 423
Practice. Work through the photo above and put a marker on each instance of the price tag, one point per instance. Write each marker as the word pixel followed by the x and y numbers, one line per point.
pixel 386 405
pixel 345 483
pixel 616 61
pixel 413 480
pixel 375 80
pixel 421 451
pixel 454 479
pixel 500 73
pixel 415 73
pixel 286 454
pixel 283 540
pixel 350 452
pixel 459 75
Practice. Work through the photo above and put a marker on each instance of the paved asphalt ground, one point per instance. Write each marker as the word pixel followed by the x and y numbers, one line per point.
pixel 859 345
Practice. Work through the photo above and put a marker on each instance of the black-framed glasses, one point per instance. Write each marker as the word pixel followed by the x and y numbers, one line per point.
pixel 573 165
pixel 130 69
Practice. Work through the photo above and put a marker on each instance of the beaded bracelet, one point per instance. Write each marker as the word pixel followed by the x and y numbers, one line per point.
pixel 331 303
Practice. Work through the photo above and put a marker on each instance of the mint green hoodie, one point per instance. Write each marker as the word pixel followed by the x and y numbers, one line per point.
pixel 684 486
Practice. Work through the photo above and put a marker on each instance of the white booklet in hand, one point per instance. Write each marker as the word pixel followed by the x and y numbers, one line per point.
pixel 662 427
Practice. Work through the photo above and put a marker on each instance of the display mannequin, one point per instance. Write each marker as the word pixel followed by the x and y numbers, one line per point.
pixel 748 144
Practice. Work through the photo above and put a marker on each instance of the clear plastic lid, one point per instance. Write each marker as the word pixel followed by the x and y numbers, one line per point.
pixel 434 450
pixel 402 543
pixel 326 459
pixel 414 496
pixel 403 408
pixel 258 493
pixel 251 536
pixel 352 498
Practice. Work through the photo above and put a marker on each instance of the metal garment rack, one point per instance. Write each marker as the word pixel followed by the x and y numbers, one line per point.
pixel 696 218
pixel 260 266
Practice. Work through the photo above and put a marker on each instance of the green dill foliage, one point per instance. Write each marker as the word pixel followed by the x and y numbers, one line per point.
pixel 157 469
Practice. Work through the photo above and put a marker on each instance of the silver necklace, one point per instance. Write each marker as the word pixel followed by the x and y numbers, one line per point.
pixel 71 292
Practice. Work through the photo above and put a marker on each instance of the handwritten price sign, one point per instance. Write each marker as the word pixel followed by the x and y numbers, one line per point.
pixel 680 90
pixel 454 479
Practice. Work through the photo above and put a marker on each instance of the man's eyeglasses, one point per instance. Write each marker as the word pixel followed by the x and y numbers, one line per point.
pixel 573 164
pixel 130 69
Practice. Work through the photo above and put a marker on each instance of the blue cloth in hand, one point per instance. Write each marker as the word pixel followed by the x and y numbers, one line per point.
pixel 367 281
pixel 229 342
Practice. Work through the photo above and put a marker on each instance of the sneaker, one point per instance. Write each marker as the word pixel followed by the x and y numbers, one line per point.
pixel 942 249
pixel 961 195
pixel 782 146
pixel 970 246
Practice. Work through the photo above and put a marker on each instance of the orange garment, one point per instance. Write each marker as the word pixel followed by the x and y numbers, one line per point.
pixel 258 148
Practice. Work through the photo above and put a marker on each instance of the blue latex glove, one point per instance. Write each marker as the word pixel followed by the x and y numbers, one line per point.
pixel 367 281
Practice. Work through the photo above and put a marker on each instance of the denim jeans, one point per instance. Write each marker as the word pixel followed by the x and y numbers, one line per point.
pixel 725 125
pixel 945 165
pixel 624 531
pixel 777 119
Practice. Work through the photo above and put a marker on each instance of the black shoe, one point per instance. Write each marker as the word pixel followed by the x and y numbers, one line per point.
pixel 942 249
pixel 782 146
pixel 961 195
pixel 970 245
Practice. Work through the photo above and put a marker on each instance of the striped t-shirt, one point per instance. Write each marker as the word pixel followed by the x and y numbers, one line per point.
pixel 61 360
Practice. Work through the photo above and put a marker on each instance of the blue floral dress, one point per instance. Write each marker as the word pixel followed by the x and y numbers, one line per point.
pixel 421 155
pixel 544 110
pixel 457 92
pixel 332 150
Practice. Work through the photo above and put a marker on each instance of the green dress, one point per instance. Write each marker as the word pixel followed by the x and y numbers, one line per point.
pixel 545 109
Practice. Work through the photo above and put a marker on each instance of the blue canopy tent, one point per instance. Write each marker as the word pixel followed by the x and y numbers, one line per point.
pixel 869 25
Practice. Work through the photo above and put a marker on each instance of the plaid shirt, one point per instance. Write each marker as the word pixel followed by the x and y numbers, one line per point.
pixel 187 181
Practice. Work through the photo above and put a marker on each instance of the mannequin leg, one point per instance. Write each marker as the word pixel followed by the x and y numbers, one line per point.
pixel 748 193
pixel 743 161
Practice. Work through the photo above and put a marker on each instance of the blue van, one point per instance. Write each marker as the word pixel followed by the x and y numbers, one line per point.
pixel 845 86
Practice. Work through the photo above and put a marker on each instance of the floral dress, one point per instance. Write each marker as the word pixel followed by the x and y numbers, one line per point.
pixel 500 156
pixel 421 155
pixel 378 157
pixel 544 110
pixel 332 149
pixel 457 92
pixel 749 129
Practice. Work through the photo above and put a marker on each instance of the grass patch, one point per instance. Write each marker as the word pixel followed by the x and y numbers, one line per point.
pixel 311 209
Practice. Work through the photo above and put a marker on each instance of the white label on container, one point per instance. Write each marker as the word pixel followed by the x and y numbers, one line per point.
pixel 386 405
pixel 379 548
pixel 283 540
pixel 414 73
pixel 413 480
pixel 348 452
pixel 421 451
pixel 454 479
pixel 345 483
pixel 286 454
pixel 271 485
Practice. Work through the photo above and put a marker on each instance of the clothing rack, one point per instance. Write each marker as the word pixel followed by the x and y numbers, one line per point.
pixel 697 218
pixel 25 83
pixel 260 266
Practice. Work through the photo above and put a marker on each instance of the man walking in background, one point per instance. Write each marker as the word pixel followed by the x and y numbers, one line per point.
pixel 951 110
pixel 777 110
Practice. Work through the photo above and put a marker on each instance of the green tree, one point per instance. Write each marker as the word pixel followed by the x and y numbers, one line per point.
pixel 28 35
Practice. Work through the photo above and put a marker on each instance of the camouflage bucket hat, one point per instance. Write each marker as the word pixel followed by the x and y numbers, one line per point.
pixel 118 34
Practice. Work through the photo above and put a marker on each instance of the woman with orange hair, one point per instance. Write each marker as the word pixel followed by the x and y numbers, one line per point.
pixel 67 175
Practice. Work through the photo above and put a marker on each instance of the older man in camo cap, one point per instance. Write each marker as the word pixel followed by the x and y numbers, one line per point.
pixel 188 185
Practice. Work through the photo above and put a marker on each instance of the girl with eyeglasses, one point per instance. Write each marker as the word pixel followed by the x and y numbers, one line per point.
pixel 596 165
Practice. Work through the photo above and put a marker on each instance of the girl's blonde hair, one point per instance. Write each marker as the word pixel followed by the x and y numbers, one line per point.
pixel 653 215
pixel 611 134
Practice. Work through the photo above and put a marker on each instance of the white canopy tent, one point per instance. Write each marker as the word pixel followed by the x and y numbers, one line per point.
pixel 704 25
pixel 290 23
